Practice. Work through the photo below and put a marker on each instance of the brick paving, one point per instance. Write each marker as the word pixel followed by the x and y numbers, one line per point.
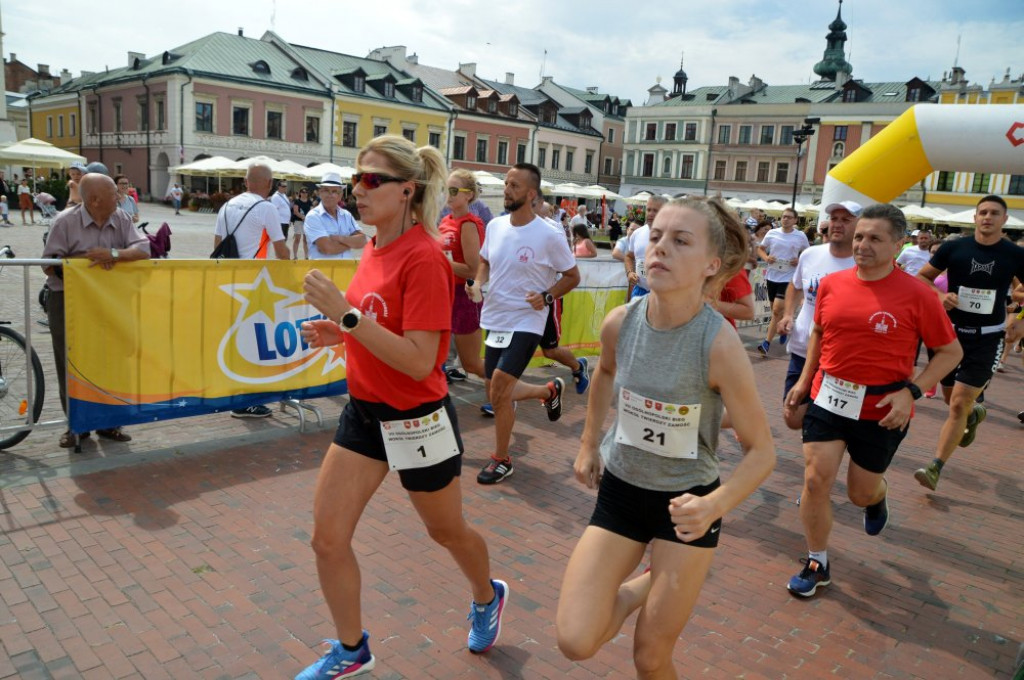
pixel 185 554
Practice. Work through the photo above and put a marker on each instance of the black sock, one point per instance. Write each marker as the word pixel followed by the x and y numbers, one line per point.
pixel 938 464
pixel 352 649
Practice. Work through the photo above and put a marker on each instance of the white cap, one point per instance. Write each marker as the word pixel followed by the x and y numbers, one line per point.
pixel 853 208
pixel 331 179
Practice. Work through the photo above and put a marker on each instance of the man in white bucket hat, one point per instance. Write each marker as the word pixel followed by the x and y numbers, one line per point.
pixel 330 230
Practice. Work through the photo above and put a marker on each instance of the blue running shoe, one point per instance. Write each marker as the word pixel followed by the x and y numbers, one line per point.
pixel 876 517
pixel 581 377
pixel 486 619
pixel 341 663
pixel 783 338
pixel 763 348
pixel 487 409
pixel 807 581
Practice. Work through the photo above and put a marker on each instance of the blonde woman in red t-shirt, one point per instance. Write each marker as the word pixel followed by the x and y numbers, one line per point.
pixel 462 232
pixel 395 320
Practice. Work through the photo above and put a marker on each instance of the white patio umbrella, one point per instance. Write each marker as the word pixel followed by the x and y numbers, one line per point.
pixel 967 218
pixel 212 166
pixel 317 172
pixel 279 168
pixel 597 191
pixel 755 204
pixel 915 213
pixel 488 183
pixel 638 199
pixel 734 202
pixel 36 153
pixel 568 189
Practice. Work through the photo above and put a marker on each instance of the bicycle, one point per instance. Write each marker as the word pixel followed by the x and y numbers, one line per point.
pixel 14 363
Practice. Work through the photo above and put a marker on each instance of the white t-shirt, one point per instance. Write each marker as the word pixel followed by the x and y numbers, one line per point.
pixel 784 248
pixel 522 260
pixel 912 259
pixel 637 244
pixel 283 206
pixel 262 216
pixel 815 264
pixel 319 224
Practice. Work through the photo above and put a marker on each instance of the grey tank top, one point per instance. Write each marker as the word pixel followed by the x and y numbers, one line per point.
pixel 671 366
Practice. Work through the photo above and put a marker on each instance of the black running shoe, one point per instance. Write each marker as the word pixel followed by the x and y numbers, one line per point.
pixel 554 403
pixel 495 471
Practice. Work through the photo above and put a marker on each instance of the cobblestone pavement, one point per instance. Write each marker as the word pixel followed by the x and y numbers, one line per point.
pixel 185 553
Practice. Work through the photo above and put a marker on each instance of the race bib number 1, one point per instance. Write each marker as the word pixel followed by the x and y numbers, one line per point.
pixel 641 268
pixel 841 397
pixel 498 339
pixel 976 300
pixel 668 430
pixel 419 442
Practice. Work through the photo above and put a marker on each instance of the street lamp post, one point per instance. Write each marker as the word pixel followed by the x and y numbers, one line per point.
pixel 799 137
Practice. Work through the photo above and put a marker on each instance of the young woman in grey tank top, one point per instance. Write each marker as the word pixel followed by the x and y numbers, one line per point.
pixel 669 364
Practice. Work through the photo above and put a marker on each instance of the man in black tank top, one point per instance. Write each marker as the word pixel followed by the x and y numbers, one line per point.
pixel 981 270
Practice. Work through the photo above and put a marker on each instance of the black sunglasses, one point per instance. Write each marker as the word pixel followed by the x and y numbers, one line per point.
pixel 373 180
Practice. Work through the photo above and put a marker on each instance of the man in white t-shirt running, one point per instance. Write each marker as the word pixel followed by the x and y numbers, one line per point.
pixel 781 249
pixel 817 262
pixel 520 260
pixel 636 249
pixel 916 256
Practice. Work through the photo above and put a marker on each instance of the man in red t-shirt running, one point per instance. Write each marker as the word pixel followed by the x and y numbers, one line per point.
pixel 860 375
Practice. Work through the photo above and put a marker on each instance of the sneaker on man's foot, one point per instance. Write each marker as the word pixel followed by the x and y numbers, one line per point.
pixel 486 619
pixel 581 377
pixel 487 410
pixel 783 338
pixel 495 471
pixel 455 375
pixel 978 413
pixel 338 662
pixel 1020 417
pixel 876 517
pixel 928 476
pixel 554 402
pixel 763 348
pixel 810 577
pixel 258 411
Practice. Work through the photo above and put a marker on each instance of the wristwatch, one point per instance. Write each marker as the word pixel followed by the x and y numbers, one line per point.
pixel 915 391
pixel 114 254
pixel 349 320
pixel 549 299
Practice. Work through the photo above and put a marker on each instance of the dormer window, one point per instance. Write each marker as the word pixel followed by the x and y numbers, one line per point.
pixel 261 67
pixel 417 93
pixel 358 83
pixel 471 101
pixel 513 109
pixel 300 73
pixel 389 89
pixel 492 106
pixel 850 95
pixel 914 94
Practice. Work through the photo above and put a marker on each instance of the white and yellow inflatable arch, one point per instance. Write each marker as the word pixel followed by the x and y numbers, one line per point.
pixel 927 138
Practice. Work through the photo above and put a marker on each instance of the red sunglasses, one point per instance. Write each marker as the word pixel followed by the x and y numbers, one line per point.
pixel 373 180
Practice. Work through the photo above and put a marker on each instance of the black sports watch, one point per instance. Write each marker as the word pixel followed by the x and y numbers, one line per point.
pixel 549 299
pixel 915 391
pixel 350 319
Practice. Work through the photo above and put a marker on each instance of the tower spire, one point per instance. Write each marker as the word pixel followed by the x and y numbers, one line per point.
pixel 834 59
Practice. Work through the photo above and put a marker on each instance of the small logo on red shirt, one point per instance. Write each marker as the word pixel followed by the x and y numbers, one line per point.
pixel 883 322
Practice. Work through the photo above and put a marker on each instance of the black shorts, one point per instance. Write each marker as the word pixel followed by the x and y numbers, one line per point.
pixel 793 371
pixel 284 228
pixel 553 327
pixel 359 431
pixel 776 290
pixel 981 354
pixel 641 515
pixel 512 359
pixel 871 446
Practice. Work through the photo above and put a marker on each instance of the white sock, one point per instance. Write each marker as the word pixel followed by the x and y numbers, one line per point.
pixel 819 556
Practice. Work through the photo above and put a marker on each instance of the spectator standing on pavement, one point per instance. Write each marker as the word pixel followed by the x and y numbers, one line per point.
pixel 124 200
pixel 176 194
pixel 329 228
pixel 301 207
pixel 660 484
pixel 25 201
pixel 521 260
pixel 394 319
pixel 5 211
pixel 462 234
pixel 614 228
pixel 283 205
pixel 246 216
pixel 96 230
pixel 859 374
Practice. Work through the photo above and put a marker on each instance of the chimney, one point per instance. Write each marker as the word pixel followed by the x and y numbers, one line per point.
pixel 959 76
pixel 842 77
pixel 14 57
pixel 393 55
pixel 65 75
pixel 737 89
pixel 593 90
pixel 86 74
pixel 132 56
pixel 510 78
pixel 413 59
pixel 546 79
pixel 468 69
pixel 755 82
pixel 43 70
pixel 241 33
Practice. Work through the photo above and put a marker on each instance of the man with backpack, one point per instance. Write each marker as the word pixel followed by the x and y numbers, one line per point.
pixel 241 224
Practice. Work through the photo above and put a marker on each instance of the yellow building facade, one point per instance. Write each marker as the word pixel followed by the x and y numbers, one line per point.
pixel 357 121
pixel 58 121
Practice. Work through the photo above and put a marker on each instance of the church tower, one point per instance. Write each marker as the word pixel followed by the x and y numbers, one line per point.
pixel 834 60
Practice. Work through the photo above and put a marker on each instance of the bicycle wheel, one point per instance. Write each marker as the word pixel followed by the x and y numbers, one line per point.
pixel 14 386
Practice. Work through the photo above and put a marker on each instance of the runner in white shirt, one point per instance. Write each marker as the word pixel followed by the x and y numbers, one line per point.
pixel 780 249
pixel 636 249
pixel 815 263
pixel 520 259
pixel 283 206
pixel 913 258
pixel 330 231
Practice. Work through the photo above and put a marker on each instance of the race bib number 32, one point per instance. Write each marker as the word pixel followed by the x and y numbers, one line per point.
pixel 661 428
pixel 498 339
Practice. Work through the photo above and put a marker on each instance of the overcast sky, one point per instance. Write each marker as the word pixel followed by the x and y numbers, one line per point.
pixel 621 47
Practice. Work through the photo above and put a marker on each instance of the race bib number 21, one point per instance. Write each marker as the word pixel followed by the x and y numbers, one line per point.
pixel 664 429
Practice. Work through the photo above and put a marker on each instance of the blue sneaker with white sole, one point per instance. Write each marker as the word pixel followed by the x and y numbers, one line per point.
pixel 486 619
pixel 581 376
pixel 338 662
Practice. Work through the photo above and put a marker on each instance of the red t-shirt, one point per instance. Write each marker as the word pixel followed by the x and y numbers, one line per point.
pixel 870 330
pixel 404 286
pixel 736 288
pixel 451 237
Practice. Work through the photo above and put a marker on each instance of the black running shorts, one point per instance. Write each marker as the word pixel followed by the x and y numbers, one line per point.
pixel 871 446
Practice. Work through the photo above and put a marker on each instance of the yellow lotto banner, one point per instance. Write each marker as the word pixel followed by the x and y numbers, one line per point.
pixel 161 339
